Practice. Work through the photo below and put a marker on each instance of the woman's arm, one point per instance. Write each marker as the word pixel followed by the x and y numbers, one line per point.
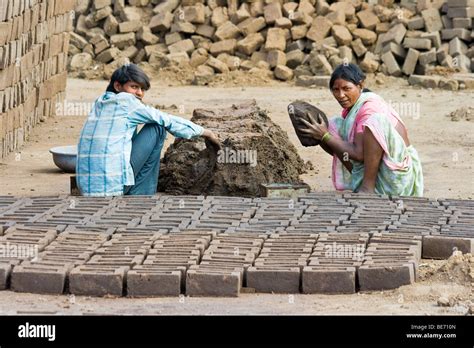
pixel 344 150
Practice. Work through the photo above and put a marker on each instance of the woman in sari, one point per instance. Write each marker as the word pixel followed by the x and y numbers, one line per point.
pixel 369 141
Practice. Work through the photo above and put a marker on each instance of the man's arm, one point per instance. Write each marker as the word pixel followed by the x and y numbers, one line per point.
pixel 178 126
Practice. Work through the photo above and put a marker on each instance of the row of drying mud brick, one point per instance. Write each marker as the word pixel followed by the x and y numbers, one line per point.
pixel 285 262
pixel 448 221
pixel 200 263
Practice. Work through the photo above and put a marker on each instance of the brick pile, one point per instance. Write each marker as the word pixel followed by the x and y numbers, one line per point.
pixel 34 38
pixel 287 40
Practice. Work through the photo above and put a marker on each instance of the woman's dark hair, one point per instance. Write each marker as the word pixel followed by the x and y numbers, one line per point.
pixel 129 72
pixel 349 72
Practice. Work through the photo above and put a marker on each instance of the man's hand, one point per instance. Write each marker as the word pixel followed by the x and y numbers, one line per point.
pixel 212 138
pixel 316 129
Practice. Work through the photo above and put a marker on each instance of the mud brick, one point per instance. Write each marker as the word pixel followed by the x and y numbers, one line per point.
pixel 213 224
pixel 33 229
pixel 465 23
pixel 283 262
pixel 379 277
pixel 233 251
pixel 305 243
pixel 229 258
pixel 268 222
pixel 190 235
pixel 317 280
pixel 148 282
pixel 391 63
pixel 393 249
pixel 122 250
pixel 78 234
pixel 432 20
pixel 293 236
pixel 397 238
pixel 320 259
pixel 200 282
pixel 303 228
pixel 114 260
pixel 465 232
pixel 223 266
pixel 284 280
pixel 354 238
pixel 114 222
pixel 416 23
pixel 461 33
pixel 164 225
pixel 219 216
pixel 240 235
pixel 441 247
pixel 140 229
pixel 235 246
pixel 104 231
pixel 460 3
pixel 29 277
pixel 182 242
pixel 456 202
pixel 466 12
pixel 169 264
pixel 90 280
pixel 161 249
pixel 283 249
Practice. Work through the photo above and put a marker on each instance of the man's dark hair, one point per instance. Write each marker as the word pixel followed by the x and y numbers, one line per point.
pixel 129 72
pixel 349 72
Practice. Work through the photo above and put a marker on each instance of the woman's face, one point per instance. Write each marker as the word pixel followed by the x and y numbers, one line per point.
pixel 346 92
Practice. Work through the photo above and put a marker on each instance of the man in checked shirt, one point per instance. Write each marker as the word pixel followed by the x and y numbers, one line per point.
pixel 113 159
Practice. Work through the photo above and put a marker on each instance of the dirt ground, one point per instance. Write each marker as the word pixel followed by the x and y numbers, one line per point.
pixel 446 149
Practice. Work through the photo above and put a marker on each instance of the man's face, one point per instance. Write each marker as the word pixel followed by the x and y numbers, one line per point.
pixel 131 87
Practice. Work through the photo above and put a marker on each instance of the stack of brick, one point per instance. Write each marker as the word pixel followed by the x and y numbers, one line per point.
pixel 20 243
pixel 30 210
pixel 224 265
pixel 175 213
pixel 390 261
pixel 104 273
pixel 33 61
pixel 323 214
pixel 283 39
pixel 76 211
pixel 8 202
pixel 278 267
pixel 275 214
pixel 456 234
pixel 48 272
pixel 419 216
pixel 163 272
pixel 370 214
pixel 409 224
pixel 225 213
pixel 333 264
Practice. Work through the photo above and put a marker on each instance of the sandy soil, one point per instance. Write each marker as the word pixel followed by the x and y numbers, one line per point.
pixel 446 149
pixel 418 299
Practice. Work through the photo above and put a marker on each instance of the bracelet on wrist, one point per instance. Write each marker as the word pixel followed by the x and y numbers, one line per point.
pixel 326 137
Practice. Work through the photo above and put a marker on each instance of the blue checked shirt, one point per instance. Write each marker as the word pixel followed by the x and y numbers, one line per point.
pixel 103 161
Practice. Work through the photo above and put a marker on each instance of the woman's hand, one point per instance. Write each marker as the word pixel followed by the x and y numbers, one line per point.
pixel 316 129
pixel 212 138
